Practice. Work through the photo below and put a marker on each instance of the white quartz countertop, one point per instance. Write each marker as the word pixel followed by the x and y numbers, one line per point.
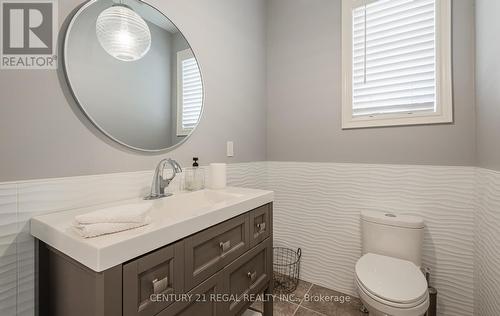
pixel 173 218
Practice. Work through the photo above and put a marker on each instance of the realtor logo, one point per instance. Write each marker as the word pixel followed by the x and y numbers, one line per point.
pixel 29 34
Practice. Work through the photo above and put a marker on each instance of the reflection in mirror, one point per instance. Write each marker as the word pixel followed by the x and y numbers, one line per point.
pixel 133 74
pixel 123 33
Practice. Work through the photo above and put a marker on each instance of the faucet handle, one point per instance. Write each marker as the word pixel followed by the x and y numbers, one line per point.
pixel 160 182
pixel 177 167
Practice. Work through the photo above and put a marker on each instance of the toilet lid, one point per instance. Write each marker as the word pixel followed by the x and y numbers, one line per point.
pixel 394 280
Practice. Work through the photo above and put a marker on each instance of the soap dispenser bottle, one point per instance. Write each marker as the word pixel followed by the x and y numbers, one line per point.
pixel 195 176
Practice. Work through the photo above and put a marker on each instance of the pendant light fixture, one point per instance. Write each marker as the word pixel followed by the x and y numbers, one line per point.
pixel 123 33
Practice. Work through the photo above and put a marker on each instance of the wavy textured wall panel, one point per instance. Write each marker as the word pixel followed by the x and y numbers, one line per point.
pixel 247 175
pixel 8 250
pixel 487 265
pixel 317 208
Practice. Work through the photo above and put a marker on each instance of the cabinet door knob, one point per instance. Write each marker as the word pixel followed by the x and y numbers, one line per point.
pixel 261 227
pixel 252 276
pixel 160 286
pixel 225 245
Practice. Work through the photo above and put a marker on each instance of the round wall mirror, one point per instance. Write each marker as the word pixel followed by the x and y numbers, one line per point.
pixel 133 74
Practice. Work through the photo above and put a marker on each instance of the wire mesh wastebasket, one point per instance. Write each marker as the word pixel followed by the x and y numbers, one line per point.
pixel 286 266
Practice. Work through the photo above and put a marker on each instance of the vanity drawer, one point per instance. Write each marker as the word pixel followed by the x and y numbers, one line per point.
pixel 209 251
pixel 160 272
pixel 200 301
pixel 260 224
pixel 247 275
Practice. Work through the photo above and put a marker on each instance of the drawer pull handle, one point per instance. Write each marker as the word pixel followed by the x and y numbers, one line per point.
pixel 225 245
pixel 252 276
pixel 160 286
pixel 261 227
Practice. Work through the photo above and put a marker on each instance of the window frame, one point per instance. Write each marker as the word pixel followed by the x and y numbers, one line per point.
pixel 444 98
pixel 181 56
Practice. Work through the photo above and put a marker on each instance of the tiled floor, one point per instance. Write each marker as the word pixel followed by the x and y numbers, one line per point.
pixel 311 300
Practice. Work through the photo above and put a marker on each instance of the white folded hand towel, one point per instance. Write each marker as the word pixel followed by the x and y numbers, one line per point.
pixel 98 229
pixel 126 214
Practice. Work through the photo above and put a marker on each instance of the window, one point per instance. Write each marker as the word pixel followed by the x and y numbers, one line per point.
pixel 396 60
pixel 189 92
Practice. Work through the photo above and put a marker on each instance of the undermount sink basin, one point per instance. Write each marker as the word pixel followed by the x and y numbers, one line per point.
pixel 172 218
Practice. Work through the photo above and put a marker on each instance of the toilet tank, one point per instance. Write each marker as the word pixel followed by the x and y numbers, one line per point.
pixel 393 235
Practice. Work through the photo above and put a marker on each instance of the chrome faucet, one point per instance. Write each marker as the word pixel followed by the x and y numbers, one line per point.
pixel 159 182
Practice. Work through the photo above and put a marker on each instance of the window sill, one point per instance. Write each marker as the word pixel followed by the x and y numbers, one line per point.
pixel 388 121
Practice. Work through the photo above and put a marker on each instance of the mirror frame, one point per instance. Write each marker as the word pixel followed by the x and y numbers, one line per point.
pixel 75 16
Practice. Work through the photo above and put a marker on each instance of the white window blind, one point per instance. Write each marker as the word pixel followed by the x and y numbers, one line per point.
pixel 394 57
pixel 190 92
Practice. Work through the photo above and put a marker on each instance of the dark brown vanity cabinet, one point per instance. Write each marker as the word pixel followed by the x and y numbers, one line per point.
pixel 160 272
pixel 213 272
pixel 210 250
pixel 260 224
pixel 249 274
pixel 200 302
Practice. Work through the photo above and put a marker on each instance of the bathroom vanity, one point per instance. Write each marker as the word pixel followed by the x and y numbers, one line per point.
pixel 205 253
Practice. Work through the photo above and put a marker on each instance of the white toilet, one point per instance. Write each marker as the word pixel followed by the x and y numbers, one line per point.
pixel 388 275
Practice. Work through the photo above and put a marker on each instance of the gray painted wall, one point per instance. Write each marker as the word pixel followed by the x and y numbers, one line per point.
pixel 43 134
pixel 304 94
pixel 488 83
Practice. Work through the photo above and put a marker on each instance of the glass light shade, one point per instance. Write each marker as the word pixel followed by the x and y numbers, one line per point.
pixel 123 33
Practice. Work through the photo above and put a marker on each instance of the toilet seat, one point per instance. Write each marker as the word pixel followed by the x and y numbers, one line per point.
pixel 389 304
pixel 390 281
pixel 378 308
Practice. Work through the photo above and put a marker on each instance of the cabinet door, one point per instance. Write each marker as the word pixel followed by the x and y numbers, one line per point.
pixel 248 275
pixel 201 301
pixel 158 273
pixel 210 250
pixel 260 224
